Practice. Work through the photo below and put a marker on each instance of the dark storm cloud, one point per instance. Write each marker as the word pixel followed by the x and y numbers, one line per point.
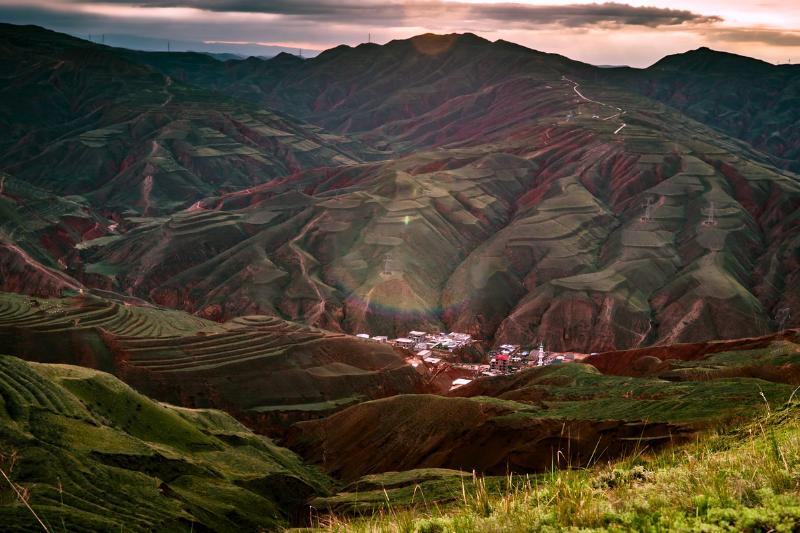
pixel 370 11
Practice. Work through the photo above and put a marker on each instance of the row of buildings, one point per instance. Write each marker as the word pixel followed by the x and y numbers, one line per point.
pixel 420 341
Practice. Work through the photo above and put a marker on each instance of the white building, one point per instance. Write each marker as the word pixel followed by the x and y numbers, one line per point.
pixel 417 335
pixel 404 342
pixel 460 382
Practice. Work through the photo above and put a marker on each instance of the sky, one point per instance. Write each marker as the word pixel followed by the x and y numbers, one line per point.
pixel 611 33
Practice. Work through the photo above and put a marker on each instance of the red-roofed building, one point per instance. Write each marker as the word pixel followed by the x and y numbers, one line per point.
pixel 499 363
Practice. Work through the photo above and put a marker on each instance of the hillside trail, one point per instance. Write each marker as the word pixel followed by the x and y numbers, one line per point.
pixel 7 242
pixel 619 110
pixel 169 95
pixel 314 317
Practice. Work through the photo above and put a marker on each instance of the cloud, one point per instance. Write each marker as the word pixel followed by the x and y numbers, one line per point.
pixel 409 12
pixel 757 35
pixel 581 15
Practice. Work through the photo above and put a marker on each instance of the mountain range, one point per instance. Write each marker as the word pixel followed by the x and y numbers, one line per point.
pixel 441 181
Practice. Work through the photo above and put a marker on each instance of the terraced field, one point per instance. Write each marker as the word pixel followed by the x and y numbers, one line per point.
pixel 93 455
pixel 92 312
pixel 89 121
pixel 251 366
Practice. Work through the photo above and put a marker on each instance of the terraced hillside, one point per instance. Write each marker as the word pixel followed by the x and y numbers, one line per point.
pixel 749 99
pixel 587 234
pixel 39 232
pixel 568 414
pixel 515 195
pixel 343 88
pixel 266 371
pixel 87 453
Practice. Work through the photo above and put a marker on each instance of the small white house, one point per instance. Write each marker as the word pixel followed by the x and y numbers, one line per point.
pixel 417 335
pixel 403 342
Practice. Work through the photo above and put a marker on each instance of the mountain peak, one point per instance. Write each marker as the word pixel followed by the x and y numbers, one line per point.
pixel 708 61
pixel 434 44
pixel 286 57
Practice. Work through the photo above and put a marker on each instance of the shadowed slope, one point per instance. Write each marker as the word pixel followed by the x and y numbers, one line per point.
pixel 88 120
pixel 746 98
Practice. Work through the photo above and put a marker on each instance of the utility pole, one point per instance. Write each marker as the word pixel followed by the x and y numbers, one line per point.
pixel 169 46
pixel 648 210
pixel 711 219
pixel 781 317
pixel 369 38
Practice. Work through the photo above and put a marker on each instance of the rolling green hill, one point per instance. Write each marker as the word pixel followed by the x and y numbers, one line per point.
pixel 741 479
pixel 87 453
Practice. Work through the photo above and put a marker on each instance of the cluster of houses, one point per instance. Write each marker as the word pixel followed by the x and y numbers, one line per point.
pixel 424 343
pixel 505 359
pixel 509 358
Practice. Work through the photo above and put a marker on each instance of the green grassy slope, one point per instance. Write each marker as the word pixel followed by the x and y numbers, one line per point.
pixel 558 415
pixel 744 479
pixel 88 453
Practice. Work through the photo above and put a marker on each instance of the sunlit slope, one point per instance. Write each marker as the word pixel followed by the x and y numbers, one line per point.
pixel 93 455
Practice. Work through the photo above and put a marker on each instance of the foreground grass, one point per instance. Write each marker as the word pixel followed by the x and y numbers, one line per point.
pixel 744 480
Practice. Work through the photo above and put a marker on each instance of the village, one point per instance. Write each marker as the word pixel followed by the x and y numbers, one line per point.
pixel 442 353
